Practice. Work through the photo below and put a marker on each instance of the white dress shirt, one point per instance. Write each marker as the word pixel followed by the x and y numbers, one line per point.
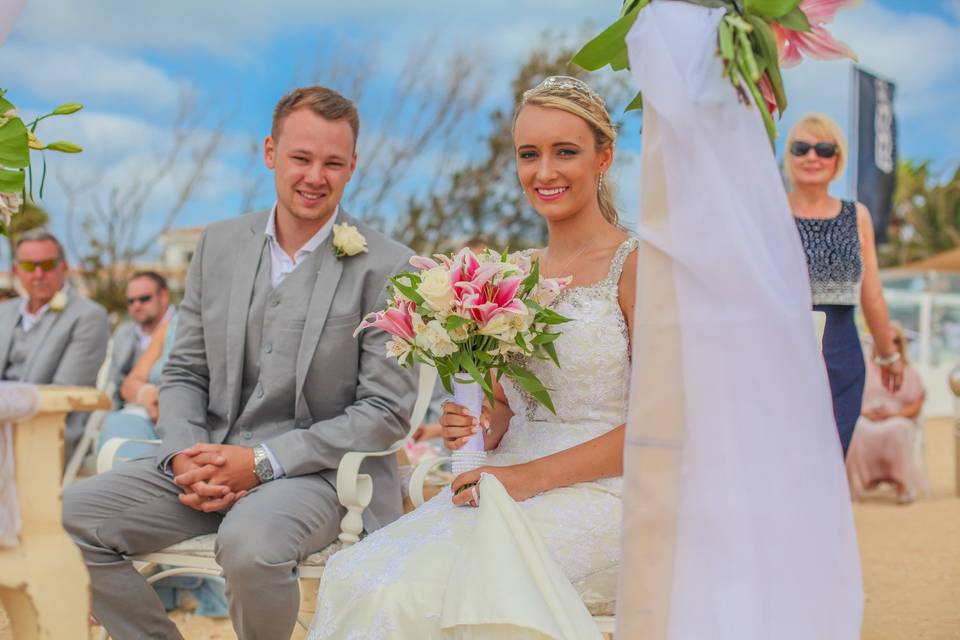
pixel 280 263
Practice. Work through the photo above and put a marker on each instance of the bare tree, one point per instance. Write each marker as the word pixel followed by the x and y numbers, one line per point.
pixel 404 115
pixel 106 217
pixel 481 197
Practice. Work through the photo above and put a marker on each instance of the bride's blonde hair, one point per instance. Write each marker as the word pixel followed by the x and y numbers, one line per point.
pixel 575 96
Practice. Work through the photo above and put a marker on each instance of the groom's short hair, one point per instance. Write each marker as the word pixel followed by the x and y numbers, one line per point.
pixel 326 103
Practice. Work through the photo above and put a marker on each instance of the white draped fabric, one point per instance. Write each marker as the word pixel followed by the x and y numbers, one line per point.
pixel 737 521
pixel 17 401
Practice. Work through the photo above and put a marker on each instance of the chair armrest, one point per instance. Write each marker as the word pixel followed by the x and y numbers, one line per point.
pixel 355 490
pixel 108 453
pixel 419 477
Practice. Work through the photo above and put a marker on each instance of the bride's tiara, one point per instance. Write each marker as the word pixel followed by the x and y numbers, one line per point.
pixel 564 82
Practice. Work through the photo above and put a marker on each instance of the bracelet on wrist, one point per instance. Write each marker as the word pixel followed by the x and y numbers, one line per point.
pixel 886 361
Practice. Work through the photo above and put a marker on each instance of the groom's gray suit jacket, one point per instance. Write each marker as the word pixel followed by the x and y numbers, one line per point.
pixel 309 391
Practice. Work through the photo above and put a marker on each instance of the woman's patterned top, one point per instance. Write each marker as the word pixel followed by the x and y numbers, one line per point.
pixel 834 260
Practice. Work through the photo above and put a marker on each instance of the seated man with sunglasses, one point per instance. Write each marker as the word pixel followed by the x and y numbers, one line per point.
pixel 149 309
pixel 53 335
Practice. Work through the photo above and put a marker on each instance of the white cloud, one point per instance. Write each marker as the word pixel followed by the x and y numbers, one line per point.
pixel 84 73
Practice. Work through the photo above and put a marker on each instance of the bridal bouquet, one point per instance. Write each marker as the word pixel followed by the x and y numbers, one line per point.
pixel 754 38
pixel 468 315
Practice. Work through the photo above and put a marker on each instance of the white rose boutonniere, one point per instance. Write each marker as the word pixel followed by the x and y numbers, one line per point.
pixel 347 241
pixel 58 302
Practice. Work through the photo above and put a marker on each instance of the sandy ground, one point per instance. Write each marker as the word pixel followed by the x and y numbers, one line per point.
pixel 910 554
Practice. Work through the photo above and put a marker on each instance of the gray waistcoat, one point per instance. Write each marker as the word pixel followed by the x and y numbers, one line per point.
pixel 274 328
pixel 22 345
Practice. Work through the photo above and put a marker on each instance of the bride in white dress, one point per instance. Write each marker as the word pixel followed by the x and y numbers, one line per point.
pixel 500 562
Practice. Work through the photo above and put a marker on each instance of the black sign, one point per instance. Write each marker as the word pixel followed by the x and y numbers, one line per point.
pixel 876 141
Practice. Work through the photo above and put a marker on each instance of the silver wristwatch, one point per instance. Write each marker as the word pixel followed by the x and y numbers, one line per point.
pixel 261 464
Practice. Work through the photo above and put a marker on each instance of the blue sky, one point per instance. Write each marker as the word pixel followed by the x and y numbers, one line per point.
pixel 128 61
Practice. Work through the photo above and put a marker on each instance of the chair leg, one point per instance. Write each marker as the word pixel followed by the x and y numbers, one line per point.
pixel 86 444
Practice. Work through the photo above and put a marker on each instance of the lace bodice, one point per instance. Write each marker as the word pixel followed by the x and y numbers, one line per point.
pixel 589 389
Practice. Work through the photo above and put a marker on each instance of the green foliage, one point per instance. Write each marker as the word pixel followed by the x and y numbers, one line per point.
pixel 745 42
pixel 926 215
pixel 16 140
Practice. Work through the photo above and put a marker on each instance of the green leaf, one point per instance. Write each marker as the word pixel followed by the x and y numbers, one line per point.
pixel 531 385
pixel 636 103
pixel 11 180
pixel 551 350
pixel 609 44
pixel 549 316
pixel 620 61
pixel 455 322
pixel 770 8
pixel 406 288
pixel 67 108
pixel 64 147
pixel 545 338
pixel 5 105
pixel 14 151
pixel 795 20
pixel 767 45
pixel 468 365
pixel 531 280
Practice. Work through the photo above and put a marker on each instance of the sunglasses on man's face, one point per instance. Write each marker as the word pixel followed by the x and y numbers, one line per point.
pixel 141 299
pixel 822 149
pixel 45 265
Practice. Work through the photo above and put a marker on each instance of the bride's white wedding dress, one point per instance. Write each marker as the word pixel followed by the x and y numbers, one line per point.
pixel 504 570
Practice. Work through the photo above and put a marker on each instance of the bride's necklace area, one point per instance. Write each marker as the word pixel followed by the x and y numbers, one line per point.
pixel 559 270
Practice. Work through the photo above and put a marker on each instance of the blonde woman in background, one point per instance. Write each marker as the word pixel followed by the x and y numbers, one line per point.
pixel 882 446
pixel 838 240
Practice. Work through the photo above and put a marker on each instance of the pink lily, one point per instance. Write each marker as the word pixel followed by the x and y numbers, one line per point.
pixel 423 262
pixel 397 321
pixel 767 91
pixel 486 304
pixel 817 43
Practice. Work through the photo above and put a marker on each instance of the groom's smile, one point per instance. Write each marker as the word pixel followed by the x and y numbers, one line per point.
pixel 313 160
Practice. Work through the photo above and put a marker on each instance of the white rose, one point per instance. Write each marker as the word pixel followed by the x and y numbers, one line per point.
pixel 436 290
pixel 434 339
pixel 58 302
pixel 348 241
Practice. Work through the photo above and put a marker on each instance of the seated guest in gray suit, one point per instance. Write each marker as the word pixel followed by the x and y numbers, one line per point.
pixel 53 335
pixel 148 303
pixel 264 391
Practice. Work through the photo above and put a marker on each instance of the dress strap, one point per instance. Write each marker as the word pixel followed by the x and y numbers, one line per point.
pixel 620 258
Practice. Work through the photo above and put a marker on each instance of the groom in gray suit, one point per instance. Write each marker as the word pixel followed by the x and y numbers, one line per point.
pixel 264 391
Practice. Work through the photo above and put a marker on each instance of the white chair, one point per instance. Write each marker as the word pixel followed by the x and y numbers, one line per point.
pixel 91 429
pixel 598 590
pixel 195 556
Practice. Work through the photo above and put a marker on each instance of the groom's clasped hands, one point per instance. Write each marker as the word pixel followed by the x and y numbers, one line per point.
pixel 214 476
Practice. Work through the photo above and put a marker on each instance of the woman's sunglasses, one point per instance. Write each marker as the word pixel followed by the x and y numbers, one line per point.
pixel 822 149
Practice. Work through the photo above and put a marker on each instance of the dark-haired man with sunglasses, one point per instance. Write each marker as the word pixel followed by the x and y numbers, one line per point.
pixel 148 305
pixel 52 335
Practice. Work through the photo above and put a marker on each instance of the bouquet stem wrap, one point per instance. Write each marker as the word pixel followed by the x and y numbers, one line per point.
pixel 472 454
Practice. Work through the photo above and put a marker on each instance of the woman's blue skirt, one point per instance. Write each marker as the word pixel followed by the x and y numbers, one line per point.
pixel 845 367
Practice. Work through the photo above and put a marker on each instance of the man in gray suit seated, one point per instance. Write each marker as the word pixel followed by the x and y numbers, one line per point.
pixel 148 303
pixel 264 391
pixel 53 335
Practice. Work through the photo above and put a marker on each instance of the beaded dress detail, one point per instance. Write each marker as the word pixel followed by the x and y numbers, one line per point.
pixel 442 571
pixel 833 253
